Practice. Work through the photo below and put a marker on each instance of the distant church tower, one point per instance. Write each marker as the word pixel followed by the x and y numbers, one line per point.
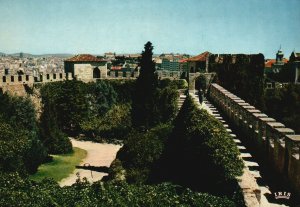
pixel 278 65
pixel 279 56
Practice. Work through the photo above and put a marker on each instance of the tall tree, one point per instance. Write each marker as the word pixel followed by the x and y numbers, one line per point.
pixel 143 98
pixel 21 148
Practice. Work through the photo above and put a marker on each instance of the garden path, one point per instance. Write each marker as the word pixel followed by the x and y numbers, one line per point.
pixel 98 154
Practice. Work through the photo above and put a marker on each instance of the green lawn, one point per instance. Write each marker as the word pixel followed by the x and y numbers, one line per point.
pixel 61 166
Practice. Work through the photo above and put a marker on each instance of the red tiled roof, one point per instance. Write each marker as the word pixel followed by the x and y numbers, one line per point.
pixel 199 58
pixel 183 60
pixel 116 67
pixel 84 58
pixel 269 63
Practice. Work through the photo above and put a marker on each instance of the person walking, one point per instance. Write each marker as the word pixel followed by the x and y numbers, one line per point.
pixel 200 94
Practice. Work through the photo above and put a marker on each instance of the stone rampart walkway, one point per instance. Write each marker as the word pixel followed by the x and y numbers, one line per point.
pixel 255 194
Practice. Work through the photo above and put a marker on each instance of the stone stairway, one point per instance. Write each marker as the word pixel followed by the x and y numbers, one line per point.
pixel 180 101
pixel 254 192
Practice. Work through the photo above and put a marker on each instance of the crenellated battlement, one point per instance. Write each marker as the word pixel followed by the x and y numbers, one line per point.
pixel 16 79
pixel 9 80
pixel 6 80
pixel 277 144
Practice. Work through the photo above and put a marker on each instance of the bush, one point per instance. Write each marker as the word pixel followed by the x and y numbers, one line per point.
pixel 181 83
pixel 51 132
pixel 200 153
pixel 101 96
pixel 13 146
pixel 70 105
pixel 123 88
pixel 141 151
pixel 178 84
pixel 165 105
pixel 15 191
pixel 65 102
pixel 115 124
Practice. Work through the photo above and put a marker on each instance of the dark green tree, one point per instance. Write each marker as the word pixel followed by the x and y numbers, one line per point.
pixel 101 97
pixel 143 99
pixel 283 104
pixel 61 112
pixel 68 103
pixel 242 75
pixel 21 149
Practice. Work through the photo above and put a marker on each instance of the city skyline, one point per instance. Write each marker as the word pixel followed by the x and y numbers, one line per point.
pixel 189 26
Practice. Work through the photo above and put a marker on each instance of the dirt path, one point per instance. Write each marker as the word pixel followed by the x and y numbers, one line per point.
pixel 97 155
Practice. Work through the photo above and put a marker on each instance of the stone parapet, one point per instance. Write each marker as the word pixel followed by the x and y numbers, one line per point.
pixel 29 79
pixel 277 144
pixel 52 77
pixel 16 80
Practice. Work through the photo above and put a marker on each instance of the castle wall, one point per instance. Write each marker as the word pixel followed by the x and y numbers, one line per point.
pixel 275 143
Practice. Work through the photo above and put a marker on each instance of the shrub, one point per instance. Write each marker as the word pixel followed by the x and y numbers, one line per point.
pixel 123 88
pixel 15 191
pixel 115 124
pixel 200 153
pixel 165 105
pixel 181 83
pixel 101 96
pixel 141 151
pixel 178 84
pixel 66 103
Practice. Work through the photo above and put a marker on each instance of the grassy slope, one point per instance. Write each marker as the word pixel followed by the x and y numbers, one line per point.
pixel 61 166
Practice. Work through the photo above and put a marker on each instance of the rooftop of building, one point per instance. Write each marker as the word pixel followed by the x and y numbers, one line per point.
pixel 199 58
pixel 270 62
pixel 84 58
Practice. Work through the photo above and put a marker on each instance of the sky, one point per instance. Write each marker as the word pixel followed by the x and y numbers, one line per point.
pixel 124 26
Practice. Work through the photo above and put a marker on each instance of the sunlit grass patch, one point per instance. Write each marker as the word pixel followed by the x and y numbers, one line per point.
pixel 61 166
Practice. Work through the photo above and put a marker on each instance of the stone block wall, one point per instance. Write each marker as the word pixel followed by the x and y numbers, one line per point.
pixel 10 80
pixel 173 75
pixel 277 144
pixel 16 80
pixel 52 77
pixel 122 75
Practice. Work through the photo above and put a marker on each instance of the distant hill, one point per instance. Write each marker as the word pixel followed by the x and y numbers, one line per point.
pixel 18 55
pixel 61 55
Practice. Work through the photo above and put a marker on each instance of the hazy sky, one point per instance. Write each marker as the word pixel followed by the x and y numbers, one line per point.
pixel 124 26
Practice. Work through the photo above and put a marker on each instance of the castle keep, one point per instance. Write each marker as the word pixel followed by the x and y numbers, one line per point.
pixel 85 67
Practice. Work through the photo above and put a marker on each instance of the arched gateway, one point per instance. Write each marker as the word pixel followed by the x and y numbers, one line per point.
pixel 96 73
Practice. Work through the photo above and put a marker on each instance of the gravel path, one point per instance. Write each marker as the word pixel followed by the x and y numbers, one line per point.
pixel 98 154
